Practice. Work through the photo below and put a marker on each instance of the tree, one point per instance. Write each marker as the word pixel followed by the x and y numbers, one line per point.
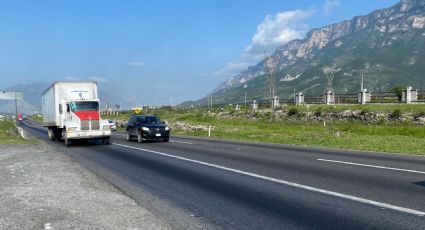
pixel 398 90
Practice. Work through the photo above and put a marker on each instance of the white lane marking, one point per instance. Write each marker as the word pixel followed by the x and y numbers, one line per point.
pixel 372 166
pixel 118 134
pixel 305 187
pixel 48 226
pixel 181 142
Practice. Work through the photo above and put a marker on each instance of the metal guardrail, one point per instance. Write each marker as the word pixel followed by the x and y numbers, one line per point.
pixel 313 99
pixel 346 99
pixel 384 97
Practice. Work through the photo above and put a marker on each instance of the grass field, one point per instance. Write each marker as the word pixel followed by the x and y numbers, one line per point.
pixel 386 137
pixel 37 119
pixel 9 134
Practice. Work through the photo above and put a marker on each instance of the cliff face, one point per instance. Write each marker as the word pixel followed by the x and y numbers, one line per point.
pixel 380 29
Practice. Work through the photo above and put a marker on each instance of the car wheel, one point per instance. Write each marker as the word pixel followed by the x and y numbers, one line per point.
pixel 166 139
pixel 128 137
pixel 139 137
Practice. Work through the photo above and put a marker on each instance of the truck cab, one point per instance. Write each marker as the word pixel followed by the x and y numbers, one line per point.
pixel 81 120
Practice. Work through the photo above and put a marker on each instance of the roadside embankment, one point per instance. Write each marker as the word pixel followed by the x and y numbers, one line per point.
pixel 10 134
pixel 42 188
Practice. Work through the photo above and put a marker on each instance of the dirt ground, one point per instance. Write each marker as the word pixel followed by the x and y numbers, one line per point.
pixel 41 188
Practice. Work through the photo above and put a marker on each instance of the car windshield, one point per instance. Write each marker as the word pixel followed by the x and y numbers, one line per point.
pixel 149 120
pixel 84 106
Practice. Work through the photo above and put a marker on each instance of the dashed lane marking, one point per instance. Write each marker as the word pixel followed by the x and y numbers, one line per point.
pixel 372 166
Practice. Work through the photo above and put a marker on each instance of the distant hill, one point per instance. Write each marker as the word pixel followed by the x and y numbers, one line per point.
pixel 387 46
pixel 32 98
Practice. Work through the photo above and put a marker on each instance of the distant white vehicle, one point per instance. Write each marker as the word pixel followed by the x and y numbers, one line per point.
pixel 112 125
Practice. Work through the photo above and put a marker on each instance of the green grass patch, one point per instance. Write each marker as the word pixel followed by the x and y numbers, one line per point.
pixel 37 119
pixel 390 137
pixel 9 134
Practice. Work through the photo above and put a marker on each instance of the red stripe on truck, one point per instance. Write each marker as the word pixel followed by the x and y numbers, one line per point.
pixel 88 115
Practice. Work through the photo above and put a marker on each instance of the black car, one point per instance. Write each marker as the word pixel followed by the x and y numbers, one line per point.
pixel 147 127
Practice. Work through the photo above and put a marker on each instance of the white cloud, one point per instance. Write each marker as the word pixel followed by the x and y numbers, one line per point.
pixel 98 79
pixel 330 5
pixel 277 30
pixel 71 78
pixel 232 68
pixel 136 64
pixel 274 31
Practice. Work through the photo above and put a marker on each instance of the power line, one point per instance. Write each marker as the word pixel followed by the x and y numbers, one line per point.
pixel 271 64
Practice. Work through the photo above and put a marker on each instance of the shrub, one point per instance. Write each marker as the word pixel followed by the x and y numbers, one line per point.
pixel 364 111
pixel 398 90
pixel 301 114
pixel 420 114
pixel 318 112
pixel 268 115
pixel 293 111
pixel 396 113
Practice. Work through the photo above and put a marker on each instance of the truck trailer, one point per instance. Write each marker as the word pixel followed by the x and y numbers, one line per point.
pixel 71 112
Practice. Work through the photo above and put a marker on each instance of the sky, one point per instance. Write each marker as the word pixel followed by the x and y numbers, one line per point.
pixel 154 51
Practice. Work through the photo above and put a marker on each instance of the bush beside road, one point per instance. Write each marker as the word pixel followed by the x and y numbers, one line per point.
pixel 42 188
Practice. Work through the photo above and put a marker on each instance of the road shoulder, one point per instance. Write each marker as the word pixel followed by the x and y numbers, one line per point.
pixel 42 188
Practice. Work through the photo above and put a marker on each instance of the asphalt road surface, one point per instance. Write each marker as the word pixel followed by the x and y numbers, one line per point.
pixel 194 183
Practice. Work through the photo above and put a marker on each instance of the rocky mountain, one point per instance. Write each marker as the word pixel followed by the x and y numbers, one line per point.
pixel 387 47
pixel 32 98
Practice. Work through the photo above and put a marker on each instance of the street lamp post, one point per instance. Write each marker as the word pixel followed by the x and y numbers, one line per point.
pixel 16 109
pixel 1 91
pixel 245 99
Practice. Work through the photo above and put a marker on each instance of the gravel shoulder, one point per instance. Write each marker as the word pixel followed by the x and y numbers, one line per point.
pixel 41 188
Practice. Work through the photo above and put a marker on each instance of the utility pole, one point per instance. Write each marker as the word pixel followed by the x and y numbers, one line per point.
pixel 16 108
pixel 14 96
pixel 271 63
pixel 211 99
pixel 329 72
pixel 245 99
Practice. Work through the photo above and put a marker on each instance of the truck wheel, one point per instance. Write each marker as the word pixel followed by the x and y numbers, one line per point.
pixel 58 133
pixel 139 137
pixel 67 142
pixel 128 137
pixel 106 141
pixel 51 134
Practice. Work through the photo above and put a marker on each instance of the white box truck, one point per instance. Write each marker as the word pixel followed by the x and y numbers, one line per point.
pixel 71 112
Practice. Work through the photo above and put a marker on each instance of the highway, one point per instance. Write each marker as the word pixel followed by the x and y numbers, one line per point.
pixel 197 183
